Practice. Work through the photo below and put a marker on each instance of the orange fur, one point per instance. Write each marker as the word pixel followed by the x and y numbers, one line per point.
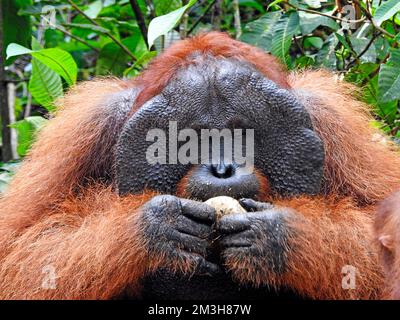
pixel 356 165
pixel 51 215
pixel 75 144
pixel 387 239
pixel 79 241
pixel 326 236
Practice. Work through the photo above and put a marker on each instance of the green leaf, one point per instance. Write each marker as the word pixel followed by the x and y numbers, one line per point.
pixel 113 60
pixel 283 31
pixel 386 10
pixel 160 26
pixel 139 64
pixel 327 55
pixel 313 3
pixel 45 85
pixel 343 41
pixel 59 61
pixel 108 3
pixel 7 170
pixel 360 72
pixel 376 3
pixel 304 62
pixel 389 78
pixel 309 22
pixel 41 8
pixel 359 44
pixel 35 44
pixel 94 9
pixel 315 42
pixel 259 32
pixel 274 3
pixel 11 166
pixel 252 4
pixel 56 59
pixel 163 7
pixel 382 47
pixel 15 49
pixel 27 130
pixel 397 37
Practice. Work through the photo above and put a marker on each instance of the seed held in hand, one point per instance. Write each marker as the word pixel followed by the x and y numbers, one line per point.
pixel 224 205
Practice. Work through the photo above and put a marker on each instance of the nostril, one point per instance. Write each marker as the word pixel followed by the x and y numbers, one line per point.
pixel 222 171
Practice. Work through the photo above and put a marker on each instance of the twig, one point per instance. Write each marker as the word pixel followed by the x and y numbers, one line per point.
pixel 140 19
pixel 298 45
pixel 8 80
pixel 371 19
pixel 357 58
pixel 324 14
pixel 370 76
pixel 353 52
pixel 195 24
pixel 108 34
pixel 66 32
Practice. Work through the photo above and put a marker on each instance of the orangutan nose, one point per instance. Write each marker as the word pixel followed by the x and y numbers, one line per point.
pixel 222 170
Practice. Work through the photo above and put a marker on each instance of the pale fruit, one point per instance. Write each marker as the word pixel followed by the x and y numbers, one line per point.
pixel 225 205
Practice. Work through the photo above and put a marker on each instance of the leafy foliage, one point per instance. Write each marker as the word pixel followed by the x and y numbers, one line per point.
pixel 7 170
pixel 285 28
pixel 44 85
pixel 26 129
pixel 160 26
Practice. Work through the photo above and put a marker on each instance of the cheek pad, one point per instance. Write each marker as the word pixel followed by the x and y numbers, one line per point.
pixel 293 163
pixel 133 172
pixel 287 150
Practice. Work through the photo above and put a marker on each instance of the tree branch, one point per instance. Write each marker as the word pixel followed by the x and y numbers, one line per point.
pixel 66 32
pixel 324 14
pixel 140 19
pixel 108 34
pixel 195 24
pixel 357 58
pixel 369 16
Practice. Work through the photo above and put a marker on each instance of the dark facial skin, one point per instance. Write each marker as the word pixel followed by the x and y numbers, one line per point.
pixel 220 94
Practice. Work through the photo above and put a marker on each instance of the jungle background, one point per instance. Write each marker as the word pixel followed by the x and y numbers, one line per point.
pixel 49 46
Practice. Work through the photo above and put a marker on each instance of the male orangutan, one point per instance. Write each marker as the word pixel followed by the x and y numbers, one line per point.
pixel 87 203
